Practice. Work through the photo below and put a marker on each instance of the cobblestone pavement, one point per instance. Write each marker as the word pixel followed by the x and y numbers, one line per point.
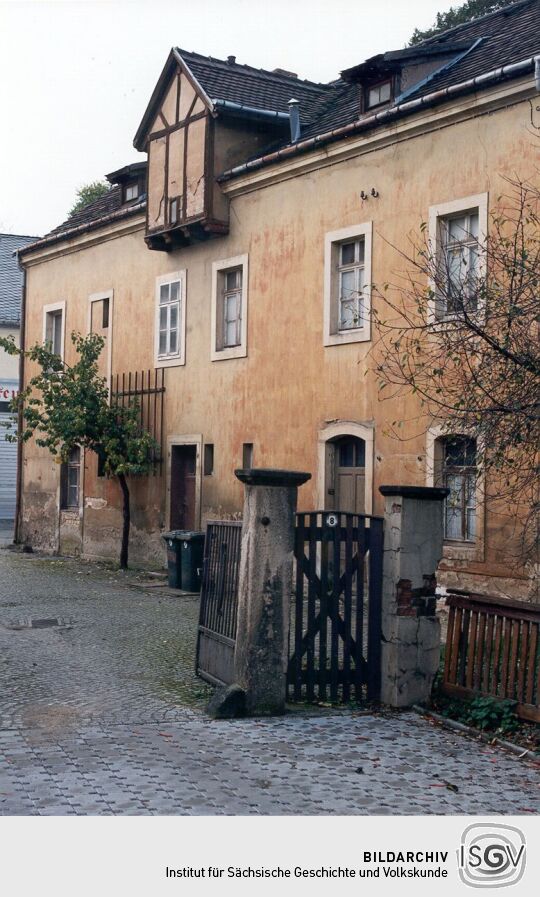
pixel 101 714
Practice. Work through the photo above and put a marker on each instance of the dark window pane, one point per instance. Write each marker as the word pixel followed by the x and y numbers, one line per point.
pixel 460 451
pixel 208 459
pixel 348 253
pixel 360 453
pixel 247 455
pixel 351 452
pixel 346 454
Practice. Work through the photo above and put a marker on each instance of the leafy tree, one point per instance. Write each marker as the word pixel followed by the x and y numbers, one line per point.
pixel 87 194
pixel 457 15
pixel 474 365
pixel 66 406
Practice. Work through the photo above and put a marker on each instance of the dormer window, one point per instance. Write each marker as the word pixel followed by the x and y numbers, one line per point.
pixel 131 191
pixel 378 94
pixel 131 179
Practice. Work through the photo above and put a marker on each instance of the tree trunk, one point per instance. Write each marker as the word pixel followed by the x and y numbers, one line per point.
pixel 126 522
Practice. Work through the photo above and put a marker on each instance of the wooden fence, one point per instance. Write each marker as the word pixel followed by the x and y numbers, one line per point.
pixel 493 648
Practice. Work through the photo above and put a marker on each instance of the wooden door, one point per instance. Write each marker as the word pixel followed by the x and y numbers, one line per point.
pixel 183 486
pixel 350 475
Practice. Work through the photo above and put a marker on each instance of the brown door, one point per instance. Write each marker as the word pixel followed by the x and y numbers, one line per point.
pixel 183 486
pixel 350 475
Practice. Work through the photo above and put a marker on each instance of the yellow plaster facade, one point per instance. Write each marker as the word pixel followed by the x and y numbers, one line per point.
pixel 290 393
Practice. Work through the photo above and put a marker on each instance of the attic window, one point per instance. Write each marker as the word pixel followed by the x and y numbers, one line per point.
pixel 131 191
pixel 379 94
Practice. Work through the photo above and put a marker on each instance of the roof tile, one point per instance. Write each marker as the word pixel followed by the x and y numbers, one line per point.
pixel 11 278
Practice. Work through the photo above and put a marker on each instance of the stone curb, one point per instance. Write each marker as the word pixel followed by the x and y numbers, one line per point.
pixel 523 753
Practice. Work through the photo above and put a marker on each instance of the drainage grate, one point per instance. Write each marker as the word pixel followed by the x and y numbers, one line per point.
pixel 44 623
pixel 40 623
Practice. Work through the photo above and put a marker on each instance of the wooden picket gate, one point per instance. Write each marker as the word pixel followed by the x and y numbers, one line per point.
pixel 335 623
pixel 335 631
pixel 493 648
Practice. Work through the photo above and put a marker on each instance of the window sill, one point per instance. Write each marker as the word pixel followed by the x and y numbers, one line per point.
pixel 225 354
pixel 463 551
pixel 169 362
pixel 356 335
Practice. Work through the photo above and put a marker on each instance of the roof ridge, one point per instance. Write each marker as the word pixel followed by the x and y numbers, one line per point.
pixel 503 10
pixel 250 69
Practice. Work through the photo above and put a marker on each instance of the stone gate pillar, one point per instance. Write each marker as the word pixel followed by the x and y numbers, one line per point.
pixel 266 569
pixel 413 544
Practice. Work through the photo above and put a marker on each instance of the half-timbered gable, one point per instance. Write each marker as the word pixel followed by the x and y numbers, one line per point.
pixel 205 116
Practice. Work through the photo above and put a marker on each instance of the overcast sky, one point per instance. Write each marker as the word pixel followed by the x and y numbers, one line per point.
pixel 75 77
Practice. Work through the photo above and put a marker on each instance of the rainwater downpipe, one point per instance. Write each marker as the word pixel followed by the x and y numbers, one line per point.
pixel 20 418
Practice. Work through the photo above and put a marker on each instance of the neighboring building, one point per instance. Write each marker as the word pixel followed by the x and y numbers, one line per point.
pixel 11 282
pixel 268 221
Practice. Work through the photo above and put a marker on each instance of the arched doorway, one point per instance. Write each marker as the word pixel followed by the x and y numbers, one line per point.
pixel 346 457
pixel 333 434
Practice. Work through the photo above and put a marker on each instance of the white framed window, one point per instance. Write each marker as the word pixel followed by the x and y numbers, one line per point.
pixel 379 94
pixel 347 285
pixel 131 191
pixel 457 233
pixel 229 308
pixel 54 327
pixel 170 322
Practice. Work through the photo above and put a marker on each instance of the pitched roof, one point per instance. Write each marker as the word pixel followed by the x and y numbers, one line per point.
pixel 258 88
pixel 499 39
pixel 11 278
pixel 99 208
pixel 504 37
pixel 508 35
pixel 106 209
pixel 332 111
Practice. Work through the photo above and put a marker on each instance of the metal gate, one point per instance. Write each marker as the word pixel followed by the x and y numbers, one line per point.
pixel 335 625
pixel 335 630
pixel 219 603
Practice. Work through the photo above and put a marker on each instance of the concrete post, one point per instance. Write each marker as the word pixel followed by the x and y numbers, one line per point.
pixel 266 560
pixel 413 543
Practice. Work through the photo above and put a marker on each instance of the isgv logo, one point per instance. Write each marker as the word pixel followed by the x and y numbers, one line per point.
pixel 491 855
